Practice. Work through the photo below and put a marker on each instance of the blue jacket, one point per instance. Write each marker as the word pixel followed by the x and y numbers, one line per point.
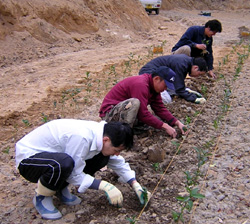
pixel 181 64
pixel 195 35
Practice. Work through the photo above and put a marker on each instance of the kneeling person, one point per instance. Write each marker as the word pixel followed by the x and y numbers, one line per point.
pixel 128 101
pixel 69 151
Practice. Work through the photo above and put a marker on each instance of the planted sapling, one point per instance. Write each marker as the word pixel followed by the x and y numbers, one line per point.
pixel 26 122
pixel 145 195
pixel 132 220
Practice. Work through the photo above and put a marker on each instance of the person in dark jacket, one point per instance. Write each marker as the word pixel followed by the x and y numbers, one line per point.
pixel 197 41
pixel 182 65
pixel 129 98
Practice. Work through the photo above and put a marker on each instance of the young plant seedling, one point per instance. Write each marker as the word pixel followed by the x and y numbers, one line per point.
pixel 184 129
pixel 145 195
pixel 132 220
pixel 186 202
pixel 177 144
pixel 45 118
pixel 26 122
pixel 7 150
pixel 204 90
pixel 156 166
pixel 188 120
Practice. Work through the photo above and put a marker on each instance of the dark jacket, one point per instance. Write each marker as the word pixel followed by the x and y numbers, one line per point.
pixel 195 35
pixel 181 64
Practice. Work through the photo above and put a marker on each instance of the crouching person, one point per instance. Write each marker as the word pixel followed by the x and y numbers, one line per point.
pixel 69 151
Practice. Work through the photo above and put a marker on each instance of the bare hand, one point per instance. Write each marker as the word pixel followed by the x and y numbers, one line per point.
pixel 171 131
pixel 181 126
pixel 201 46
pixel 211 73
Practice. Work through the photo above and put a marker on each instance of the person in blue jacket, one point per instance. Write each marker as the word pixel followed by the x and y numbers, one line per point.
pixel 182 65
pixel 197 41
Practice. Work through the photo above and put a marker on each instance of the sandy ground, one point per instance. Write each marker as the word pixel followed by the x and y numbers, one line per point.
pixel 57 86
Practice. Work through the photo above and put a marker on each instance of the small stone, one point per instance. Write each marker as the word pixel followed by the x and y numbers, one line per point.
pixel 221 197
pixel 156 155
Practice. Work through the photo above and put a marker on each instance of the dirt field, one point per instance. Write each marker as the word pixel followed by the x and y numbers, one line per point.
pixel 68 78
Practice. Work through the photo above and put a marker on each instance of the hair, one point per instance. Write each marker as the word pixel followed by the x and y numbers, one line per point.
pixel 201 63
pixel 154 74
pixel 119 134
pixel 214 25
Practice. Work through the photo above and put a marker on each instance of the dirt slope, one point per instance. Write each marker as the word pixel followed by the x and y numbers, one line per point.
pixel 206 4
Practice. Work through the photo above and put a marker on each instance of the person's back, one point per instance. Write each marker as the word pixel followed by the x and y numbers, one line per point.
pixel 133 86
pixel 175 62
pixel 182 65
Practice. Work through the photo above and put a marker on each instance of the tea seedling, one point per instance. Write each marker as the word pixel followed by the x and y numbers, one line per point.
pixel 196 113
pixel 114 73
pixel 157 167
pixel 188 120
pixel 98 87
pixel 70 94
pixel 177 144
pixel 205 41
pixel 45 118
pixel 186 203
pixel 184 129
pixel 191 180
pixel 208 144
pixel 202 156
pixel 225 59
pixel 7 150
pixel 26 122
pixel 138 61
pixel 216 123
pixel 204 90
pixel 132 220
pixel 145 195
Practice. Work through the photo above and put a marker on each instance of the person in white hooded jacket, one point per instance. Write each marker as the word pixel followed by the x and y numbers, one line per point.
pixel 69 151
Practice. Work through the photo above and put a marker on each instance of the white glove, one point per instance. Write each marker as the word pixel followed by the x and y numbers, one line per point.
pixel 192 91
pixel 139 192
pixel 113 194
pixel 200 100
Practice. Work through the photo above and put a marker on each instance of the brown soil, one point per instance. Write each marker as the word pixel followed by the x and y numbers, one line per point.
pixel 59 59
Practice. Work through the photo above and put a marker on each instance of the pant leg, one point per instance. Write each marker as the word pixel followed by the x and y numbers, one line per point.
pixel 52 169
pixel 125 111
pixel 183 50
pixel 96 163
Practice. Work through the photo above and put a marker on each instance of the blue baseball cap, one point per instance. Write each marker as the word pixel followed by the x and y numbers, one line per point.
pixel 167 74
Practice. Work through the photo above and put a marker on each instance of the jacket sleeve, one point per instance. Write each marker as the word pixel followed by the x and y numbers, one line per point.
pixel 179 84
pixel 187 37
pixel 121 168
pixel 161 111
pixel 180 89
pixel 191 97
pixel 78 148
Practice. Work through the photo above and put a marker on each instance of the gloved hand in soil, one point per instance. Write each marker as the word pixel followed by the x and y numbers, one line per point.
pixel 194 92
pixel 200 100
pixel 143 194
pixel 113 194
